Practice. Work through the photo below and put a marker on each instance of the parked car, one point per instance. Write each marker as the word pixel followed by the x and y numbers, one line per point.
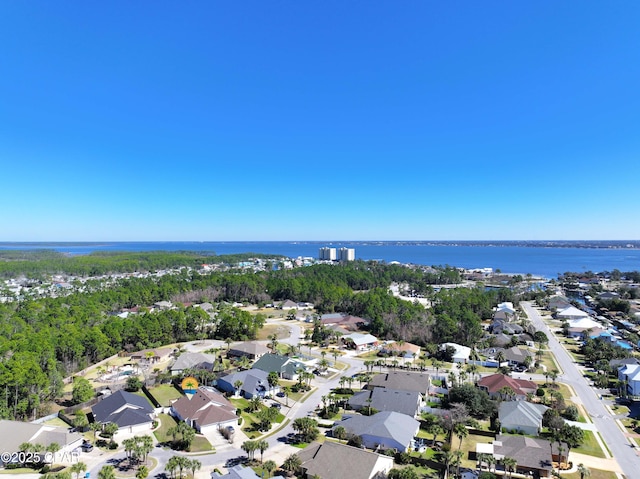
pixel 280 394
pixel 276 405
pixel 86 447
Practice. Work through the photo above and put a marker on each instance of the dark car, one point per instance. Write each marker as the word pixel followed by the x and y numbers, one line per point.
pixel 86 447
pixel 280 394
pixel 276 405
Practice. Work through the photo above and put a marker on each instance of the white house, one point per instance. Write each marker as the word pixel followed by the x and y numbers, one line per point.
pixel 461 354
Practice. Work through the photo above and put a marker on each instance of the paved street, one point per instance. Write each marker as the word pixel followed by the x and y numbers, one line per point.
pixel 622 450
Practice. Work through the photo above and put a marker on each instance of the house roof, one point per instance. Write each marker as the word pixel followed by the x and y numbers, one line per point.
pixel 14 433
pixel 237 472
pixel 401 347
pixel 462 352
pixel 249 347
pixel 206 407
pixel 252 380
pixel 527 451
pixel 123 408
pixel 360 339
pixel 193 360
pixel 494 382
pixel 402 381
pixel 385 399
pixel 584 323
pixel 277 363
pixel 572 312
pixel 521 413
pixel 516 354
pixel 331 460
pixel 386 424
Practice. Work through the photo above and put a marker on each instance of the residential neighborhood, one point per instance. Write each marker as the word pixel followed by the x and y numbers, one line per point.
pixel 304 405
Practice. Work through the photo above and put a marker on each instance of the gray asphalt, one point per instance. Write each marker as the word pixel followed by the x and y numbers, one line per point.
pixel 622 450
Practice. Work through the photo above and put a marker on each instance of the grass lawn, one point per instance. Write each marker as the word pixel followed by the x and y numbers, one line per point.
pixel 199 444
pixel 595 474
pixel 56 422
pixel 590 446
pixel 165 394
pixel 280 330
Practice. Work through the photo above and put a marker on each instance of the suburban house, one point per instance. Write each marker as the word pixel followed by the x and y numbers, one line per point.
pixel 495 383
pixel 288 304
pixel 630 375
pixel 284 366
pixel 151 356
pixel 533 456
pixel 401 348
pixel 385 399
pixel 558 303
pixel 236 472
pixel 192 361
pixel 402 381
pixel 346 321
pixel 571 313
pixel 461 354
pixel 521 416
pixel 249 349
pixel 332 460
pixel 502 326
pixel 15 433
pixel 254 382
pixel 516 356
pixel 359 341
pixel 162 305
pixel 131 412
pixel 506 308
pixel 205 411
pixel 384 430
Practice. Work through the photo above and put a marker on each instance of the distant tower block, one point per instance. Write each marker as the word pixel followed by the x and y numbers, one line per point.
pixel 327 254
pixel 347 254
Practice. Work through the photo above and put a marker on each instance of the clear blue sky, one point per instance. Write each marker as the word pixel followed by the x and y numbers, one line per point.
pixel 346 120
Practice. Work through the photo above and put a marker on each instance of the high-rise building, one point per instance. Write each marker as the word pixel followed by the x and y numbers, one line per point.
pixel 347 254
pixel 327 254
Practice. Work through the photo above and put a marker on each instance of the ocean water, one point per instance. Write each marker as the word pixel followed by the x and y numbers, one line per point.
pixel 546 261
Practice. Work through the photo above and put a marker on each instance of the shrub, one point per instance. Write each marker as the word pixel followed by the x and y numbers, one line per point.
pixel 540 392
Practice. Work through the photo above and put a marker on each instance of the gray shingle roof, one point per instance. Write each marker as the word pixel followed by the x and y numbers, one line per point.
pixel 332 460
pixel 124 409
pixel 386 399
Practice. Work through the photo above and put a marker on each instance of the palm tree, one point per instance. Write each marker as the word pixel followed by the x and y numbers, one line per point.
pixel 340 433
pixel 237 385
pixel 491 462
pixel 458 459
pixel 78 468
pixel 269 466
pixel 583 471
pixel 106 472
pixel 142 472
pixel 95 427
pixel 194 465
pixel 291 464
pixel 510 465
pixel 461 431
pixel 273 344
pixel 262 446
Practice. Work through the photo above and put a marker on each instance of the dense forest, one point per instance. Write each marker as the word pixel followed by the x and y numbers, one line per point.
pixel 38 263
pixel 43 340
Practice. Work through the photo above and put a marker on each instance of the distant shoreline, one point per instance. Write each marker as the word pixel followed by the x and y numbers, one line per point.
pixel 588 244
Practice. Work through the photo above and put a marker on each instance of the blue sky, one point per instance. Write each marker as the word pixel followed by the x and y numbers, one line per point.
pixel 324 120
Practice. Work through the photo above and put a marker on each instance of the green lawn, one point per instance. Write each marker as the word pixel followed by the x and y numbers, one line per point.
pixel 595 474
pixel 590 446
pixel 199 444
pixel 165 394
